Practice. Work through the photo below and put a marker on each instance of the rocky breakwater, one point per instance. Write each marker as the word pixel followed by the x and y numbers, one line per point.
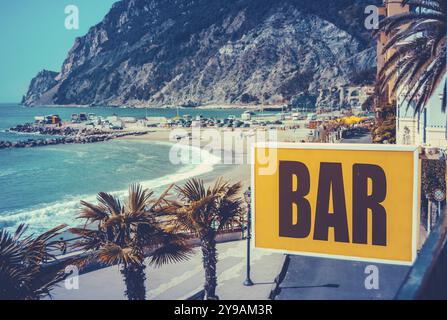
pixel 45 129
pixel 65 135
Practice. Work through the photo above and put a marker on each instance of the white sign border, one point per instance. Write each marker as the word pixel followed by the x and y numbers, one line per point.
pixel 350 147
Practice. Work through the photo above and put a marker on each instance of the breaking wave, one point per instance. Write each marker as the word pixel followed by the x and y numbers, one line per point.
pixel 47 215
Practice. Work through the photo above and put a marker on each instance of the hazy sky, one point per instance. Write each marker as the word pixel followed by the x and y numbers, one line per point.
pixel 33 37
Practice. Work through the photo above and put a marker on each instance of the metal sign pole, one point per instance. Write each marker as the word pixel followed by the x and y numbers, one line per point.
pixel 248 282
pixel 429 218
pixel 439 196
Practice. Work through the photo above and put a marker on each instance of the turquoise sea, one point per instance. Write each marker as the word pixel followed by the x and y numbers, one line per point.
pixel 43 186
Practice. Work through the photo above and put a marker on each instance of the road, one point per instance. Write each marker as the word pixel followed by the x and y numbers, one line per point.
pixel 310 278
pixel 364 138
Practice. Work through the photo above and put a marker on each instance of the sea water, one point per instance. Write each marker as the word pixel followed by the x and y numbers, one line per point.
pixel 43 186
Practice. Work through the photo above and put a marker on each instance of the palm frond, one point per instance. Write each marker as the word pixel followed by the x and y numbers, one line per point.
pixel 390 24
pixel 92 213
pixel 171 252
pixel 138 199
pixel 194 190
pixel 429 5
pixel 22 273
pixel 157 205
pixel 124 232
pixel 112 254
pixel 417 63
pixel 202 211
pixel 112 204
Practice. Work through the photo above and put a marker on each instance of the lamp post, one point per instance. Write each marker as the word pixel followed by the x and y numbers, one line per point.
pixel 428 216
pixel 247 196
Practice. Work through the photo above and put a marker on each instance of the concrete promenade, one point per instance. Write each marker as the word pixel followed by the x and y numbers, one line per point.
pixel 182 280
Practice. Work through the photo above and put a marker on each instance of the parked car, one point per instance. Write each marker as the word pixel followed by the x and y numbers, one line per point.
pixel 116 125
pixel 237 124
pixel 83 117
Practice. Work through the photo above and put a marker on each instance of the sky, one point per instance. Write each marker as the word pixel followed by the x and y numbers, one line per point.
pixel 33 37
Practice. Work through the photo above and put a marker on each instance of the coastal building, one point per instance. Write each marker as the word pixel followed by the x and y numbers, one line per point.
pixel 355 96
pixel 346 97
pixel 428 128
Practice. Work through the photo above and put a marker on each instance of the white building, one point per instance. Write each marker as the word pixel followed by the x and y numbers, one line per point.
pixel 428 128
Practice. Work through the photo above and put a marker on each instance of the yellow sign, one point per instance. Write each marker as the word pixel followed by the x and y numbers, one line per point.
pixel 357 202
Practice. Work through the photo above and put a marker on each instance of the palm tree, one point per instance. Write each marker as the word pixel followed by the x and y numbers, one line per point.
pixel 204 212
pixel 417 47
pixel 22 273
pixel 125 232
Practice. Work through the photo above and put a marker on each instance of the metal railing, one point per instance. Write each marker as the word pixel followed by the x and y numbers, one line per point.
pixel 427 279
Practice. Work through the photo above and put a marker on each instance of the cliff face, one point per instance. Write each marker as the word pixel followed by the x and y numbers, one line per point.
pixel 176 52
pixel 38 91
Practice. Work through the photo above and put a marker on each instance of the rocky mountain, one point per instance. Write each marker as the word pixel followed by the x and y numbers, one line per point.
pixel 189 52
pixel 40 87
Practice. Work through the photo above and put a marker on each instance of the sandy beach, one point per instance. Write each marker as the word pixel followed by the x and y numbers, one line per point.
pixel 230 172
pixel 240 170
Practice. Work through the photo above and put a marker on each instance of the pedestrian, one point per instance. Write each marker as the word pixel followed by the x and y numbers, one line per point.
pixel 63 246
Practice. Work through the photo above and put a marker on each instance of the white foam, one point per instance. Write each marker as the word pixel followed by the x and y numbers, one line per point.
pixel 48 215
pixel 7 172
pixel 19 133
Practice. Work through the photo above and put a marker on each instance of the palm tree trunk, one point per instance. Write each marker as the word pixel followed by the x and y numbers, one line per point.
pixel 134 278
pixel 209 265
